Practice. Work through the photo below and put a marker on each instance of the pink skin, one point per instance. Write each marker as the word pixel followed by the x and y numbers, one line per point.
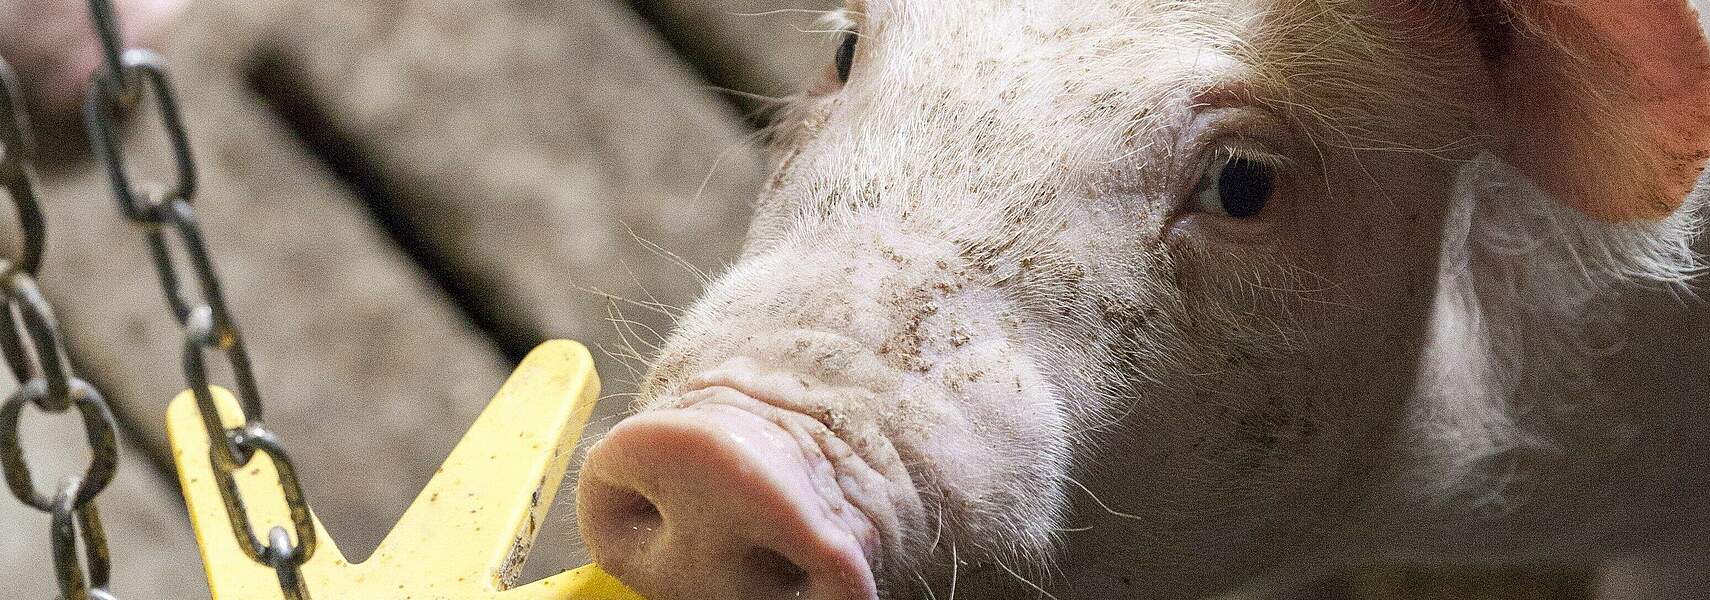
pixel 997 330
pixel 52 46
pixel 720 482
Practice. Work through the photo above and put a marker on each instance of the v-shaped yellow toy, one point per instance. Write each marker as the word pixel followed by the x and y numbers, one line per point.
pixel 466 535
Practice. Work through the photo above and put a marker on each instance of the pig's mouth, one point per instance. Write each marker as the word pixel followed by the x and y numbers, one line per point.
pixel 733 492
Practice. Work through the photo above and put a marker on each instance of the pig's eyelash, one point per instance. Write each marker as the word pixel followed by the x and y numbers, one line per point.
pixel 785 11
pixel 1276 162
pixel 837 21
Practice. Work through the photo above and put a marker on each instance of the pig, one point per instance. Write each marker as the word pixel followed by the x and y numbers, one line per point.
pixel 1157 299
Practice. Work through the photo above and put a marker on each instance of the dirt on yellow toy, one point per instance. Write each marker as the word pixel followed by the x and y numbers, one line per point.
pixel 467 534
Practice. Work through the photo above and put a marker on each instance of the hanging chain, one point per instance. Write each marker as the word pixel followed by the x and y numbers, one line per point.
pixel 30 340
pixel 117 88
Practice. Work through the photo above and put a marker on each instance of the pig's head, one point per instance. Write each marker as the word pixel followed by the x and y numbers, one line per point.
pixel 1145 284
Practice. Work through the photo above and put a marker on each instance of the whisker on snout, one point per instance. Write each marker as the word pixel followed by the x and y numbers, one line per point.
pixel 1025 581
pixel 1100 501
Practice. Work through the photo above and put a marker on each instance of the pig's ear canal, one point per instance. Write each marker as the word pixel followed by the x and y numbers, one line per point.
pixel 1607 102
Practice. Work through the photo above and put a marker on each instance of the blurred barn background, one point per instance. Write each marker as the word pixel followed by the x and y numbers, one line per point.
pixel 404 196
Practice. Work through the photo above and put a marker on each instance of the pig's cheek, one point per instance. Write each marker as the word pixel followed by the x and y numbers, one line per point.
pixel 994 452
pixel 1206 230
pixel 1250 281
pixel 796 129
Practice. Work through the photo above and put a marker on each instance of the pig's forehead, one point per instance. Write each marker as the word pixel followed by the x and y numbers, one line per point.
pixel 1047 47
pixel 948 9
pixel 1050 28
pixel 1146 34
pixel 1074 46
pixel 1380 67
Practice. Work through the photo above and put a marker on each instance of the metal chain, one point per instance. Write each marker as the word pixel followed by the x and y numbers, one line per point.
pixel 112 92
pixel 31 342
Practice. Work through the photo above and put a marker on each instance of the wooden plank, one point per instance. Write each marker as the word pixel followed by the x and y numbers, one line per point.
pixel 531 146
pixel 555 157
pixel 542 150
pixel 369 375
pixel 584 152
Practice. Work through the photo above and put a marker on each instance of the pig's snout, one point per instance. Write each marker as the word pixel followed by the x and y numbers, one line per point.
pixel 715 501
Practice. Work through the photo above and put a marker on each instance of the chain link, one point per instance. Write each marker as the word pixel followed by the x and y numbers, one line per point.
pixel 16 152
pixel 32 347
pixel 73 522
pixel 126 78
pixel 34 352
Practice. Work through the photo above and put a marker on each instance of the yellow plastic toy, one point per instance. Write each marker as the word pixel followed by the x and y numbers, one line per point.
pixel 468 532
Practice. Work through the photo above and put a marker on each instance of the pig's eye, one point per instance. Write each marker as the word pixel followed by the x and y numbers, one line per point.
pixel 846 55
pixel 1236 187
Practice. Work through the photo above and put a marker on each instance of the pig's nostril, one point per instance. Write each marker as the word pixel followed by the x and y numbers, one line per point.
pixel 637 509
pixel 715 504
pixel 776 571
pixel 629 509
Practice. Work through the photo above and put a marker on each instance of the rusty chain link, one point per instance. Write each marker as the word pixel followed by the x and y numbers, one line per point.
pixel 34 352
pixel 30 339
pixel 126 78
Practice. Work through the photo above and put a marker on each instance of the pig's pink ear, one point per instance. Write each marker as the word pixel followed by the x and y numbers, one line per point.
pixel 1608 100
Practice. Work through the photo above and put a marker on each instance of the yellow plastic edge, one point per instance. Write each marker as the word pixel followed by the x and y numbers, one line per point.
pixel 466 535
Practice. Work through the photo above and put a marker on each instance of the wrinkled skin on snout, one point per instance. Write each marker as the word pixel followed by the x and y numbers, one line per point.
pixel 1130 298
